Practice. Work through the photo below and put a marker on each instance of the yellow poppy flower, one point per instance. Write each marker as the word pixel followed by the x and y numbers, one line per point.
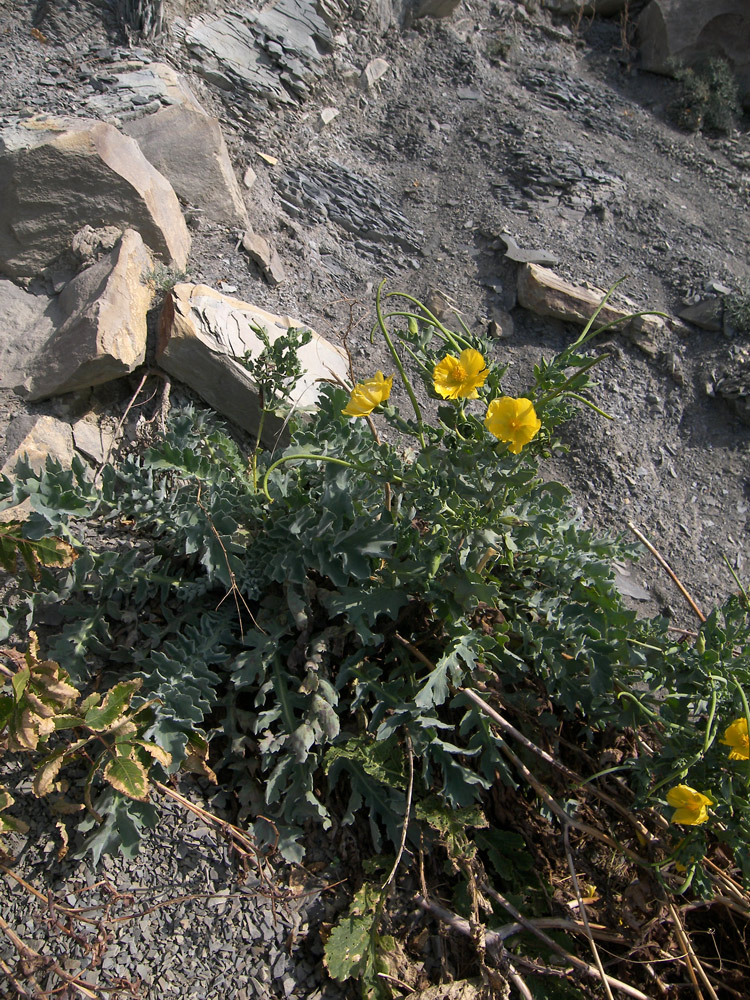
pixel 690 807
pixel 735 736
pixel 512 420
pixel 460 377
pixel 367 395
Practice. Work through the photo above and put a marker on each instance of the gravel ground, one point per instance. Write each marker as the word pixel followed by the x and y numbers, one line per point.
pixel 182 919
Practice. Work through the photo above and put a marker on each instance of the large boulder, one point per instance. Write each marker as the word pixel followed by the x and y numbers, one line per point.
pixel 58 174
pixel 26 323
pixel 674 32
pixel 102 331
pixel 205 178
pixel 201 331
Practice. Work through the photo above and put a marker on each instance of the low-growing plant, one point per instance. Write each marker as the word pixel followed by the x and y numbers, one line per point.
pixel 410 630
pixel 163 277
pixel 708 97
pixel 737 310
pixel 104 733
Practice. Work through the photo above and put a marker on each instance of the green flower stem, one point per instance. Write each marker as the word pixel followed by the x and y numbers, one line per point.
pixel 454 339
pixel 646 711
pixel 569 381
pixel 737 581
pixel 415 357
pixel 587 402
pixel 311 457
pixel 746 707
pixel 399 365
pixel 678 773
pixel 254 456
pixel 710 737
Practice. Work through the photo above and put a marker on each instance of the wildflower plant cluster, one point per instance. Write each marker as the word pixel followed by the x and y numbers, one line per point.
pixel 421 638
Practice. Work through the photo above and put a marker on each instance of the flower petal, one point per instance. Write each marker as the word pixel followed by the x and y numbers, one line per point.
pixel 459 378
pixel 512 420
pixel 367 395
pixel 736 737
pixel 691 807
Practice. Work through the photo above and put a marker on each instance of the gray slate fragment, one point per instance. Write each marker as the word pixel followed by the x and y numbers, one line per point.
pixel 706 314
pixel 332 191
pixel 275 53
pixel 525 256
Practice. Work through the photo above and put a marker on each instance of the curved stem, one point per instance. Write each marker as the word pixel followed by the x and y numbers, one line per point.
pixel 569 381
pixel 452 338
pixel 587 402
pixel 399 365
pixel 443 332
pixel 710 734
pixel 311 457
pixel 254 457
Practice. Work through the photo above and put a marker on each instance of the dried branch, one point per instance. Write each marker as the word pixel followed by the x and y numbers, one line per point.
pixel 582 911
pixel 405 827
pixel 660 558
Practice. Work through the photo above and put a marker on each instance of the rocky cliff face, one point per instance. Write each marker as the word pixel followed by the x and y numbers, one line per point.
pixel 290 156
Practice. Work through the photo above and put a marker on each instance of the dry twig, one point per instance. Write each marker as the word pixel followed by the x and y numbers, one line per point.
pixel 691 959
pixel 660 558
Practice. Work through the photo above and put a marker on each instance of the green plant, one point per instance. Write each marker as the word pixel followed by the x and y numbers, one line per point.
pixel 104 733
pixel 407 629
pixel 708 97
pixel 737 310
pixel 164 277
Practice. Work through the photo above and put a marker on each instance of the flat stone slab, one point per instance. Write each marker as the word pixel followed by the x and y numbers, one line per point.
pixel 545 293
pixel 201 330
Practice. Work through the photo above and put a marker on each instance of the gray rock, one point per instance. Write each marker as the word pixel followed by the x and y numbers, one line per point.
pixel 260 251
pixel 545 293
pixel 103 333
pixel 375 70
pixel 157 82
pixel 26 323
pixel 90 244
pixel 331 191
pixel 275 52
pixel 706 314
pixel 525 256
pixel 36 438
pixel 605 8
pixel 436 8
pixel 205 178
pixel 201 331
pixel 57 175
pixel 91 439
